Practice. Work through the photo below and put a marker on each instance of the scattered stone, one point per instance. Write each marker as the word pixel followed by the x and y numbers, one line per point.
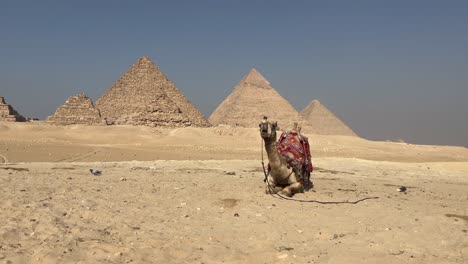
pixel 401 189
pixel 236 215
pixel 78 109
pixel 95 172
pixel 283 256
pixel 123 179
pixel 283 248
pixel 230 173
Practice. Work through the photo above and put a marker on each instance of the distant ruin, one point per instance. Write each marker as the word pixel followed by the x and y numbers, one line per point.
pixel 7 113
pixel 145 96
pixel 251 99
pixel 78 109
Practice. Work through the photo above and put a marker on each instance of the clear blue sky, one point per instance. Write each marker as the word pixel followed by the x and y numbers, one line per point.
pixel 389 69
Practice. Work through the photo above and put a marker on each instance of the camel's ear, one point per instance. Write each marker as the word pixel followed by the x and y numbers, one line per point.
pixel 275 125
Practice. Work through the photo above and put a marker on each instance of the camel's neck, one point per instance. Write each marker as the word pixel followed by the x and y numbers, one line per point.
pixel 273 156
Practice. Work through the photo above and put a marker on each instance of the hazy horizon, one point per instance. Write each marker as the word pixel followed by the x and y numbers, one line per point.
pixel 389 70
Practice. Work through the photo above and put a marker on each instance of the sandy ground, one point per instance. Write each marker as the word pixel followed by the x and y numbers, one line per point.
pixel 197 196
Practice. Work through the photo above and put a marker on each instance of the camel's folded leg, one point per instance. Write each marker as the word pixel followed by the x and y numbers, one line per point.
pixel 271 187
pixel 293 189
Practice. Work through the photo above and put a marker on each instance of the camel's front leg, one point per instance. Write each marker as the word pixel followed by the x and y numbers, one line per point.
pixel 292 189
pixel 271 187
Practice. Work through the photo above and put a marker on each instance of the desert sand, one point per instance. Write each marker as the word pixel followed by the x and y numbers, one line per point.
pixel 196 195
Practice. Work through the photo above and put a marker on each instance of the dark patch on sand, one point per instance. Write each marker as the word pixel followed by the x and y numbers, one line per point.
pixel 14 169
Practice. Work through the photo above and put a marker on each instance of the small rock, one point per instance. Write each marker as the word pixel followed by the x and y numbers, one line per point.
pixel 258 214
pixel 283 248
pixel 401 189
pixel 230 173
pixel 236 215
pixel 118 254
pixel 283 256
pixel 299 231
pixel 123 179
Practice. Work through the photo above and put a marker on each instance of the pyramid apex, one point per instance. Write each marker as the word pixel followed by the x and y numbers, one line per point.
pixel 315 102
pixel 145 59
pixel 255 78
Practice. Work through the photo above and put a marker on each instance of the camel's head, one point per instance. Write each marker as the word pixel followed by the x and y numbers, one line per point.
pixel 267 129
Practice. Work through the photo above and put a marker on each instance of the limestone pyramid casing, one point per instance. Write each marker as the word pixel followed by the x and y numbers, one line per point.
pixel 319 120
pixel 78 109
pixel 145 96
pixel 251 99
pixel 7 113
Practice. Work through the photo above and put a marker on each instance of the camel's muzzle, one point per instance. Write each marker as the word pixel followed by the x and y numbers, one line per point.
pixel 265 129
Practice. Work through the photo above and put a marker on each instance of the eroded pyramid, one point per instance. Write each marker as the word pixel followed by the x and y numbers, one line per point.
pixel 319 120
pixel 7 113
pixel 145 96
pixel 78 109
pixel 251 99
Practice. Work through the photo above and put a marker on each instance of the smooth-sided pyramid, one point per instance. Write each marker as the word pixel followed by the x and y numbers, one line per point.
pixel 319 120
pixel 78 109
pixel 251 99
pixel 7 113
pixel 145 96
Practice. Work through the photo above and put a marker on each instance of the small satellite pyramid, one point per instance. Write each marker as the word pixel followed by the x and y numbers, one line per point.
pixel 145 96
pixel 320 120
pixel 7 113
pixel 78 109
pixel 251 99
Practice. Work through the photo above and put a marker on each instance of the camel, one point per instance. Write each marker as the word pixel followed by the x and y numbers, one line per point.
pixel 281 178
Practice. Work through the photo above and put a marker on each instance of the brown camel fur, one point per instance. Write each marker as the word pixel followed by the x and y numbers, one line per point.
pixel 280 178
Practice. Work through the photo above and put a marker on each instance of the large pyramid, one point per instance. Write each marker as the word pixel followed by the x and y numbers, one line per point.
pixel 7 113
pixel 251 99
pixel 319 120
pixel 145 96
pixel 78 109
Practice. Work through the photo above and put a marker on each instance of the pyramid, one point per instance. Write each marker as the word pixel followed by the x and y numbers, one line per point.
pixel 145 96
pixel 251 99
pixel 78 109
pixel 7 113
pixel 319 120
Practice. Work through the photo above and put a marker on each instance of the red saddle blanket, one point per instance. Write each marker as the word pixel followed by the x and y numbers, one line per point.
pixel 295 148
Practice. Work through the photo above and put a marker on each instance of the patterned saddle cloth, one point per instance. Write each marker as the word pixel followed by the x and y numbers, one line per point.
pixel 295 148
